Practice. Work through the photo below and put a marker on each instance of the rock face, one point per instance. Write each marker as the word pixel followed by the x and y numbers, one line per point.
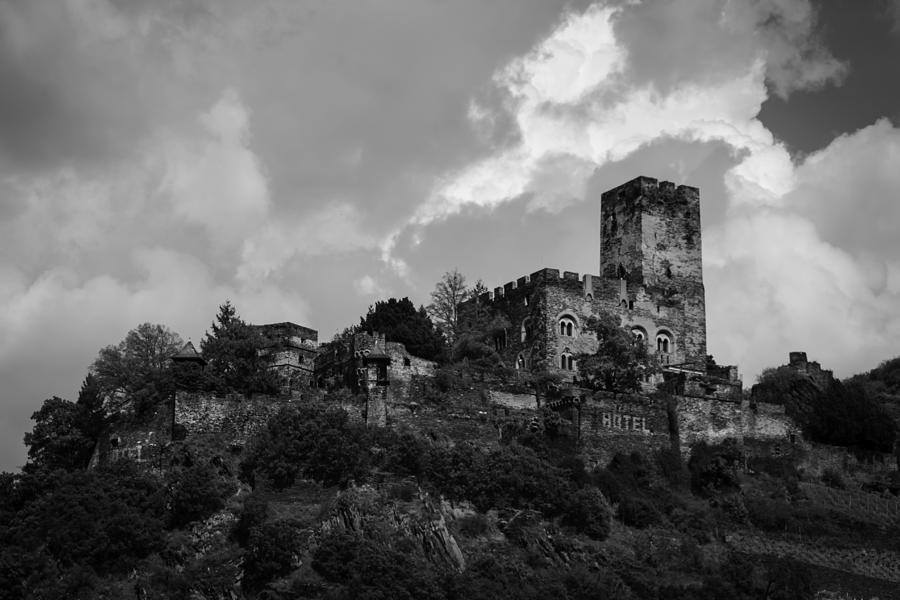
pixel 365 511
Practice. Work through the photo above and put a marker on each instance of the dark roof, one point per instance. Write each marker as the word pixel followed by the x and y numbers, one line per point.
pixel 188 353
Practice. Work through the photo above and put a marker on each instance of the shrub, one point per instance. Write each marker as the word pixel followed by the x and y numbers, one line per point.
pixel 313 441
pixel 473 525
pixel 252 516
pixel 714 468
pixel 671 466
pixel 833 478
pixel 197 492
pixel 638 512
pixel 589 513
pixel 272 551
pixel 769 514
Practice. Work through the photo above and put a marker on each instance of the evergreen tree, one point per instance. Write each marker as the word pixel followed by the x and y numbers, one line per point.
pixel 231 349
pixel 400 321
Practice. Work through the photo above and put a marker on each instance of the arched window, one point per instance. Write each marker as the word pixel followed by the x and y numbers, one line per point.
pixel 623 303
pixel 526 329
pixel 567 327
pixel 521 365
pixel 566 361
pixel 640 334
pixel 665 343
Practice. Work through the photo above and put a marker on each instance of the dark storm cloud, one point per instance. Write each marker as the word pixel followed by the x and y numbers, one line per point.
pixel 698 41
pixel 67 95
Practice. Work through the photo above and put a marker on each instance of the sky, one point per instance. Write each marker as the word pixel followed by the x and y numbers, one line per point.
pixel 306 159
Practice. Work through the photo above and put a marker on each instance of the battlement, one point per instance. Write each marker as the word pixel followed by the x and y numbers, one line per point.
pixel 544 276
pixel 287 334
pixel 653 189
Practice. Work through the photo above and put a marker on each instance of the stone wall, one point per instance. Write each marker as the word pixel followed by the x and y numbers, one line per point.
pixel 622 424
pixel 819 457
pixel 234 416
pixel 712 421
pixel 143 442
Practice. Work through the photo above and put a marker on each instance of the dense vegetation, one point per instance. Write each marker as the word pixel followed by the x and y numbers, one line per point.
pixel 319 506
pixel 400 321
pixel 842 414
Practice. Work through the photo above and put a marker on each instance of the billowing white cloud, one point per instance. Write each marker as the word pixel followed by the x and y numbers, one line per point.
pixel 579 104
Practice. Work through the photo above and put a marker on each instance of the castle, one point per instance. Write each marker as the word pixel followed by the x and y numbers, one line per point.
pixel 650 277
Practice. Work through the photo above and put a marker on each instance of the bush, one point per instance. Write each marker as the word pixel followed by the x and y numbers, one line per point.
pixel 313 441
pixel 833 478
pixel 769 514
pixel 670 466
pixel 638 512
pixel 197 492
pixel 714 468
pixel 272 551
pixel 589 513
pixel 252 516
pixel 473 525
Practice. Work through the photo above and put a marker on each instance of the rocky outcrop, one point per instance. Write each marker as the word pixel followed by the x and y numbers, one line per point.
pixel 365 511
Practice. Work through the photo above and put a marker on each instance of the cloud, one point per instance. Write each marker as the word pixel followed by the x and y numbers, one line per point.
pixel 892 10
pixel 337 228
pixel 219 183
pixel 676 42
pixel 368 286
pixel 789 249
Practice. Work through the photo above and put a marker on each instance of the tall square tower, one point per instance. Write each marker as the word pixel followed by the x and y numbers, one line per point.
pixel 651 243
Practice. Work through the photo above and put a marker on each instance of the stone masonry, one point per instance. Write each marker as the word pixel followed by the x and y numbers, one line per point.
pixel 651 278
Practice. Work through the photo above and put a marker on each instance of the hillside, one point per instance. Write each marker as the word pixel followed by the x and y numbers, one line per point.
pixel 318 505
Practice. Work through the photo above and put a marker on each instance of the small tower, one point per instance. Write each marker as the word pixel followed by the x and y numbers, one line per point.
pixel 189 355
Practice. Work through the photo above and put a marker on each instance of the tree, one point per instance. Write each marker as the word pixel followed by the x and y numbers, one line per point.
pixel 59 440
pixel 400 321
pixel 478 326
pixel 231 349
pixel 620 359
pixel 449 292
pixel 138 368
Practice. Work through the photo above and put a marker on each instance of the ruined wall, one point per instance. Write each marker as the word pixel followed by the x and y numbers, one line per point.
pixel 234 416
pixel 713 420
pixel 143 442
pixel 622 424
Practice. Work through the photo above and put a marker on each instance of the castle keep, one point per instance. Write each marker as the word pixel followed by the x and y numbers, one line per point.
pixel 651 278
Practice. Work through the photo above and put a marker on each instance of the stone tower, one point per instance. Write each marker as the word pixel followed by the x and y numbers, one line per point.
pixel 650 243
